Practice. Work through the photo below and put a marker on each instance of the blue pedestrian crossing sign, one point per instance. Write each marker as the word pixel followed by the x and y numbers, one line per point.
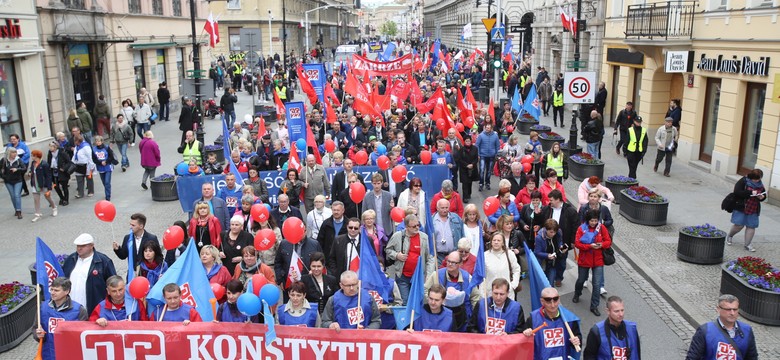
pixel 498 34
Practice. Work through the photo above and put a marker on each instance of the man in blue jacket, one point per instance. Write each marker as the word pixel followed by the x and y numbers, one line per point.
pixel 60 308
pixel 487 148
pixel 613 337
pixel 88 271
pixel 725 337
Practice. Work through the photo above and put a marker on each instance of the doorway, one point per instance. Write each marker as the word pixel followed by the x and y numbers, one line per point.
pixel 614 91
pixel 710 121
pixel 83 86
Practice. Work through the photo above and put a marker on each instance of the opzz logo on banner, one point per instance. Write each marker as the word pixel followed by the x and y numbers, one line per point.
pixel 123 344
pixel 355 315
pixel 553 337
pixel 495 326
pixel 725 352
pixel 619 353
pixel 186 295
pixel 295 112
pixel 312 74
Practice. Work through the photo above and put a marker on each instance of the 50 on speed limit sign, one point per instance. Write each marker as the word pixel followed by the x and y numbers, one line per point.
pixel 579 87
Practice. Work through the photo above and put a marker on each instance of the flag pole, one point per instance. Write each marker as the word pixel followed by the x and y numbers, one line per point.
pixel 568 329
pixel 411 321
pixel 162 314
pixel 38 304
pixel 486 311
pixel 360 283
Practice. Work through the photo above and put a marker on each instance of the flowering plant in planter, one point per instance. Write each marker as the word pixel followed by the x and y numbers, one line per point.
pixel 643 194
pixel 164 178
pixel 757 272
pixel 620 179
pixel 550 136
pixel 212 147
pixel 13 294
pixel 584 158
pixel 61 258
pixel 538 127
pixel 528 118
pixel 705 231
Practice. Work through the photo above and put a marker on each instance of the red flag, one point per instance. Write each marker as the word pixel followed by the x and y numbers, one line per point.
pixel 294 162
pixel 465 107
pixel 565 20
pixel 329 93
pixel 331 115
pixel 418 64
pixel 428 105
pixel 313 144
pixel 280 109
pixel 415 95
pixel 354 259
pixel 261 128
pixel 212 28
pixel 470 98
pixel 306 85
pixel 362 101
pixel 400 91
pixel 296 265
pixel 492 111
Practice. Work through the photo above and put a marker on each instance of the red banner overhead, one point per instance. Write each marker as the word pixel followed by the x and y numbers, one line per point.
pixel 400 66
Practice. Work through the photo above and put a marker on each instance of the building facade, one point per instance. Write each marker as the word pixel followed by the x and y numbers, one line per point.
pixel 115 48
pixel 23 110
pixel 720 59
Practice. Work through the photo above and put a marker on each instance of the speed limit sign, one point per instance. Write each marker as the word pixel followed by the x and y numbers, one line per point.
pixel 579 87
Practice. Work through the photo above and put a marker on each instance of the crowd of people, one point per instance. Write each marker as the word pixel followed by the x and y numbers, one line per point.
pixel 534 211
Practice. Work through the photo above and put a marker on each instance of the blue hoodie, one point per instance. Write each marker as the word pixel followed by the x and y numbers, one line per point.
pixel 487 144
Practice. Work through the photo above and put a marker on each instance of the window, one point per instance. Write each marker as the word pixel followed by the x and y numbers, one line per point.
pixel 157 7
pixel 180 63
pixel 751 127
pixel 637 89
pixel 234 4
pixel 234 37
pixel 161 65
pixel 74 4
pixel 134 6
pixel 617 8
pixel 718 5
pixel 10 114
pixel 176 7
pixel 759 3
pixel 138 70
pixel 710 121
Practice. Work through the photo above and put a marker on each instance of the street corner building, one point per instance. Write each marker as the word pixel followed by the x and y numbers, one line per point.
pixel 721 60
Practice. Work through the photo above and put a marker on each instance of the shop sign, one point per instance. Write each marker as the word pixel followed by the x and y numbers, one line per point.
pixel 11 29
pixel 679 61
pixel 745 66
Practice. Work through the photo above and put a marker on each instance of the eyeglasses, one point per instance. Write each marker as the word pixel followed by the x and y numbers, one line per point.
pixel 349 285
pixel 419 186
pixel 464 251
pixel 414 226
pixel 453 262
pixel 353 227
pixel 728 309
pixel 551 299
pixel 202 203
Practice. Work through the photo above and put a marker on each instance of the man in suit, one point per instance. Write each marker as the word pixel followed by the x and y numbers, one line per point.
pixel 389 185
pixel 316 293
pixel 332 227
pixel 315 182
pixel 566 216
pixel 381 202
pixel 340 179
pixel 217 205
pixel 284 254
pixel 351 208
pixel 284 210
pixel 140 236
pixel 345 252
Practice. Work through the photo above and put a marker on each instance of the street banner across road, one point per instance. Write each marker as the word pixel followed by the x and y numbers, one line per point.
pixel 156 340
pixel 189 187
pixel 400 66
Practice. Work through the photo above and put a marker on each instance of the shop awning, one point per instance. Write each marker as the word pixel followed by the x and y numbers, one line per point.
pixel 146 46
pixel 85 38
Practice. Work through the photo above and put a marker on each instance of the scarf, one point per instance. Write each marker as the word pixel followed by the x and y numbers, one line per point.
pixel 214 271
pixel 153 271
pixel 753 183
pixel 447 196
pixel 249 270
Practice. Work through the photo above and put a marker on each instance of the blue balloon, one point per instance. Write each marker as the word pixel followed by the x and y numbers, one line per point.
pixel 183 168
pixel 248 304
pixel 269 293
pixel 381 149
pixel 301 144
pixel 268 206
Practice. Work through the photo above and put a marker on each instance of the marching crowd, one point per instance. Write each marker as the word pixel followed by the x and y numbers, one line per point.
pixel 395 216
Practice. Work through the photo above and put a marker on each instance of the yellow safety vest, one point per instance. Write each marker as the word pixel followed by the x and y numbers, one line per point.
pixel 632 140
pixel 282 93
pixel 555 163
pixel 557 99
pixel 523 80
pixel 504 75
pixel 237 70
pixel 192 151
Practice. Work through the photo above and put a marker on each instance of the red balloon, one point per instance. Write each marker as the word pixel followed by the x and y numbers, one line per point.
pixel 259 213
pixel 293 230
pixel 527 159
pixel 468 122
pixel 105 210
pixel 526 167
pixel 425 157
pixel 510 129
pixel 361 157
pixel 139 287
pixel 441 124
pixel 399 173
pixel 357 192
pixel 459 127
pixel 173 237
pixel 218 290
pixel 330 146
pixel 265 239
pixel 397 214
pixel 383 162
pixel 490 205
pixel 258 281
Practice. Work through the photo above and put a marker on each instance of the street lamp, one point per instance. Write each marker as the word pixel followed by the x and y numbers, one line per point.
pixel 306 16
pixel 270 35
pixel 196 74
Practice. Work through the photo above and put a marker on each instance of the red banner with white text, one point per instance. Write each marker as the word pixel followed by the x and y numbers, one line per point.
pixel 155 340
pixel 400 66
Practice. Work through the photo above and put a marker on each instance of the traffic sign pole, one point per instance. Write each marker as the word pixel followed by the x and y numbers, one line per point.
pixel 497 73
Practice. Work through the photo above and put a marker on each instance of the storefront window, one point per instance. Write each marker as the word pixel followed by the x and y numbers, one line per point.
pixel 637 90
pixel 138 70
pixel 710 121
pixel 614 102
pixel 751 127
pixel 161 65
pixel 10 116
pixel 180 63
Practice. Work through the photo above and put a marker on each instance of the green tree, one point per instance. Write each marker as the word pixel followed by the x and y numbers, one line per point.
pixel 389 28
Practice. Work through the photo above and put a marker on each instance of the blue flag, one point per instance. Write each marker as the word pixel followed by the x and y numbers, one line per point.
pixel 369 272
pixel 479 269
pixel 130 274
pixel 507 47
pixel 47 267
pixel 531 105
pixel 270 334
pixel 538 282
pixel 435 54
pixel 517 100
pixel 188 273
pixel 388 54
pixel 416 295
pixel 430 231
pixel 226 150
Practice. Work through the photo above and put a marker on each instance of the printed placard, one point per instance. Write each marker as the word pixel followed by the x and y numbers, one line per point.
pixel 495 326
pixel 619 353
pixel 355 315
pixel 553 337
pixel 53 323
pixel 725 352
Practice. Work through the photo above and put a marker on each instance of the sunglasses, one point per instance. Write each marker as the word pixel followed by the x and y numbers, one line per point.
pixel 414 226
pixel 353 227
pixel 419 186
pixel 551 299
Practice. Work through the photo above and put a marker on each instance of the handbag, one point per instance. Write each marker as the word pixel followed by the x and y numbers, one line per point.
pixel 729 203
pixel 608 255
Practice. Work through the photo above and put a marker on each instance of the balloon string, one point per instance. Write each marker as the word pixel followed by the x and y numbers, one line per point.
pixel 112 231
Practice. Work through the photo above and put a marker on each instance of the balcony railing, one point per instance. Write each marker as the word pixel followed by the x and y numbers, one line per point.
pixel 664 20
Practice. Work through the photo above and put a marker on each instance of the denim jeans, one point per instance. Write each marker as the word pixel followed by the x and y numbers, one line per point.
pixel 593 149
pixel 164 111
pixel 230 118
pixel 142 128
pixel 560 266
pixel 404 284
pixel 123 151
pixel 485 168
pixel 268 92
pixel 15 190
pixel 583 272
pixel 105 177
pixel 550 272
pixel 80 185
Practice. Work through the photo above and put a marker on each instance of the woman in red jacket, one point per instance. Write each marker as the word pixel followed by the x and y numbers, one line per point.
pixel 215 272
pixel 591 239
pixel 204 226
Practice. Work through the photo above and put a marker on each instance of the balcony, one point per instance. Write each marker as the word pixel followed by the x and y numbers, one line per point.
pixel 661 21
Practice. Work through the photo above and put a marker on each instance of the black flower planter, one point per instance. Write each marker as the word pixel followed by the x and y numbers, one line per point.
pixel 16 325
pixel 548 143
pixel 568 152
pixel 580 172
pixel 541 128
pixel 164 191
pixel 759 305
pixel 652 214
pixel 616 188
pixel 700 250
pixel 524 126
pixel 220 153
